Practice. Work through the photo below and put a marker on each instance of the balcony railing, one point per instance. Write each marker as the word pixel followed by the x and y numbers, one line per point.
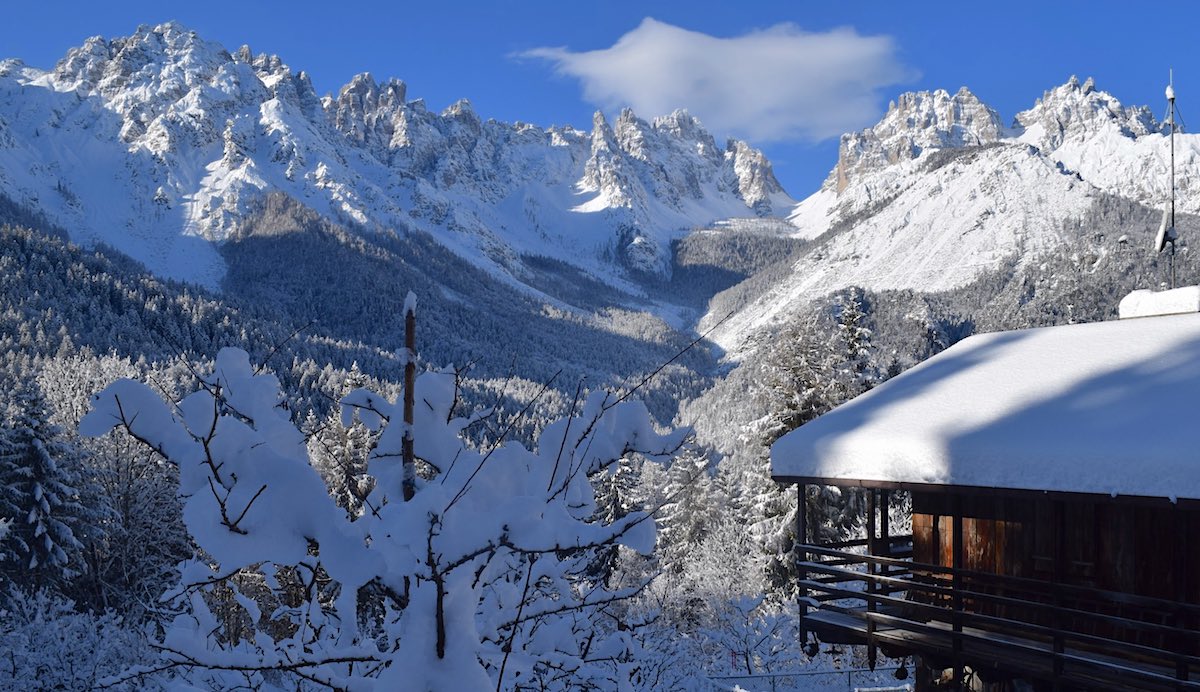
pixel 997 625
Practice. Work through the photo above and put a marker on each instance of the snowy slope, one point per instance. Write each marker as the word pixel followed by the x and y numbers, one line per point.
pixel 160 144
pixel 938 192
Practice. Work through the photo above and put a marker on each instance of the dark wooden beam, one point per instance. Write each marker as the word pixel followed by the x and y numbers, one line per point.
pixel 988 491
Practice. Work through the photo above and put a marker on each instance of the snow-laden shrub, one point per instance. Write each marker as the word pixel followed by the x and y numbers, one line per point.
pixel 478 581
pixel 46 645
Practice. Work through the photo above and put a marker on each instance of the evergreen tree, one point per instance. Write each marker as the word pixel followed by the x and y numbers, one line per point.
pixel 39 477
pixel 856 371
pixel 616 490
pixel 687 508
pixel 802 377
pixel 339 447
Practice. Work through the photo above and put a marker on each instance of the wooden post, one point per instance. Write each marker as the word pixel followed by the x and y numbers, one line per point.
pixel 410 373
pixel 872 653
pixel 936 540
pixel 885 521
pixel 885 529
pixel 957 580
pixel 934 576
pixel 1183 645
pixel 802 556
pixel 1060 577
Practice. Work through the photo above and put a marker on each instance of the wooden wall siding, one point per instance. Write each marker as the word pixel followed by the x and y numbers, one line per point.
pixel 1109 545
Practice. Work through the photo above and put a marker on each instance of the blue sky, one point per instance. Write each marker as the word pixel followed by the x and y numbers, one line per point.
pixel 786 75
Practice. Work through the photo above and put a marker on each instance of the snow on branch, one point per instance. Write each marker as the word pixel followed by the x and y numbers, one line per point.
pixel 480 580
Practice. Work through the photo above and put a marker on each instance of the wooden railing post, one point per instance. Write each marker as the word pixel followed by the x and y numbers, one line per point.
pixel 802 556
pixel 872 549
pixel 885 528
pixel 885 520
pixel 1182 646
pixel 936 541
pixel 957 581
pixel 1060 577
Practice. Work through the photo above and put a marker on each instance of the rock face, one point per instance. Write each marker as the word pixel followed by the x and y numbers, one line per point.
pixel 187 137
pixel 915 122
pixel 1077 111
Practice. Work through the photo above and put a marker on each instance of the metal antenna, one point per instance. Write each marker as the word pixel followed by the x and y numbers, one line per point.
pixel 1166 230
pixel 1171 121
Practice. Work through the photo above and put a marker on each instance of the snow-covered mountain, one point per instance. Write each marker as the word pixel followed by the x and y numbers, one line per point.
pixel 939 192
pixel 162 143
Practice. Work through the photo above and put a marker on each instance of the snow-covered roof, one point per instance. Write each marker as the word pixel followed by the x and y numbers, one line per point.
pixel 1108 407
pixel 1144 303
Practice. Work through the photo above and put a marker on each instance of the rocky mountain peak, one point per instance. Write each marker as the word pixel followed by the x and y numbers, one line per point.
pixel 634 135
pixel 460 109
pixel 606 170
pixel 202 133
pixel 1074 111
pixel 755 177
pixel 364 111
pixel 681 124
pixel 914 123
pixel 171 88
pixel 687 130
pixel 109 66
pixel 11 66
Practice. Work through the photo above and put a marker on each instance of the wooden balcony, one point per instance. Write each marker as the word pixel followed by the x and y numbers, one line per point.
pixel 1001 627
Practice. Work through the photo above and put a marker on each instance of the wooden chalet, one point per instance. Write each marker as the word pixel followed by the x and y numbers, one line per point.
pixel 1053 541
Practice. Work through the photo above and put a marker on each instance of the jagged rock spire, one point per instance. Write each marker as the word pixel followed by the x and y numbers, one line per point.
pixel 1074 110
pixel 914 123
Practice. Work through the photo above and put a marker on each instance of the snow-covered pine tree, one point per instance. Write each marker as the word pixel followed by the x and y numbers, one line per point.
pixel 687 509
pixel 824 360
pixel 811 369
pixel 39 477
pixel 338 449
pixel 857 370
pixel 615 489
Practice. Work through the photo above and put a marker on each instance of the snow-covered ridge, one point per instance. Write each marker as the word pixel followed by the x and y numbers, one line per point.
pixel 938 192
pixel 160 143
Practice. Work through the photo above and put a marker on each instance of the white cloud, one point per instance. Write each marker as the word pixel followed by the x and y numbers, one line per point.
pixel 776 84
